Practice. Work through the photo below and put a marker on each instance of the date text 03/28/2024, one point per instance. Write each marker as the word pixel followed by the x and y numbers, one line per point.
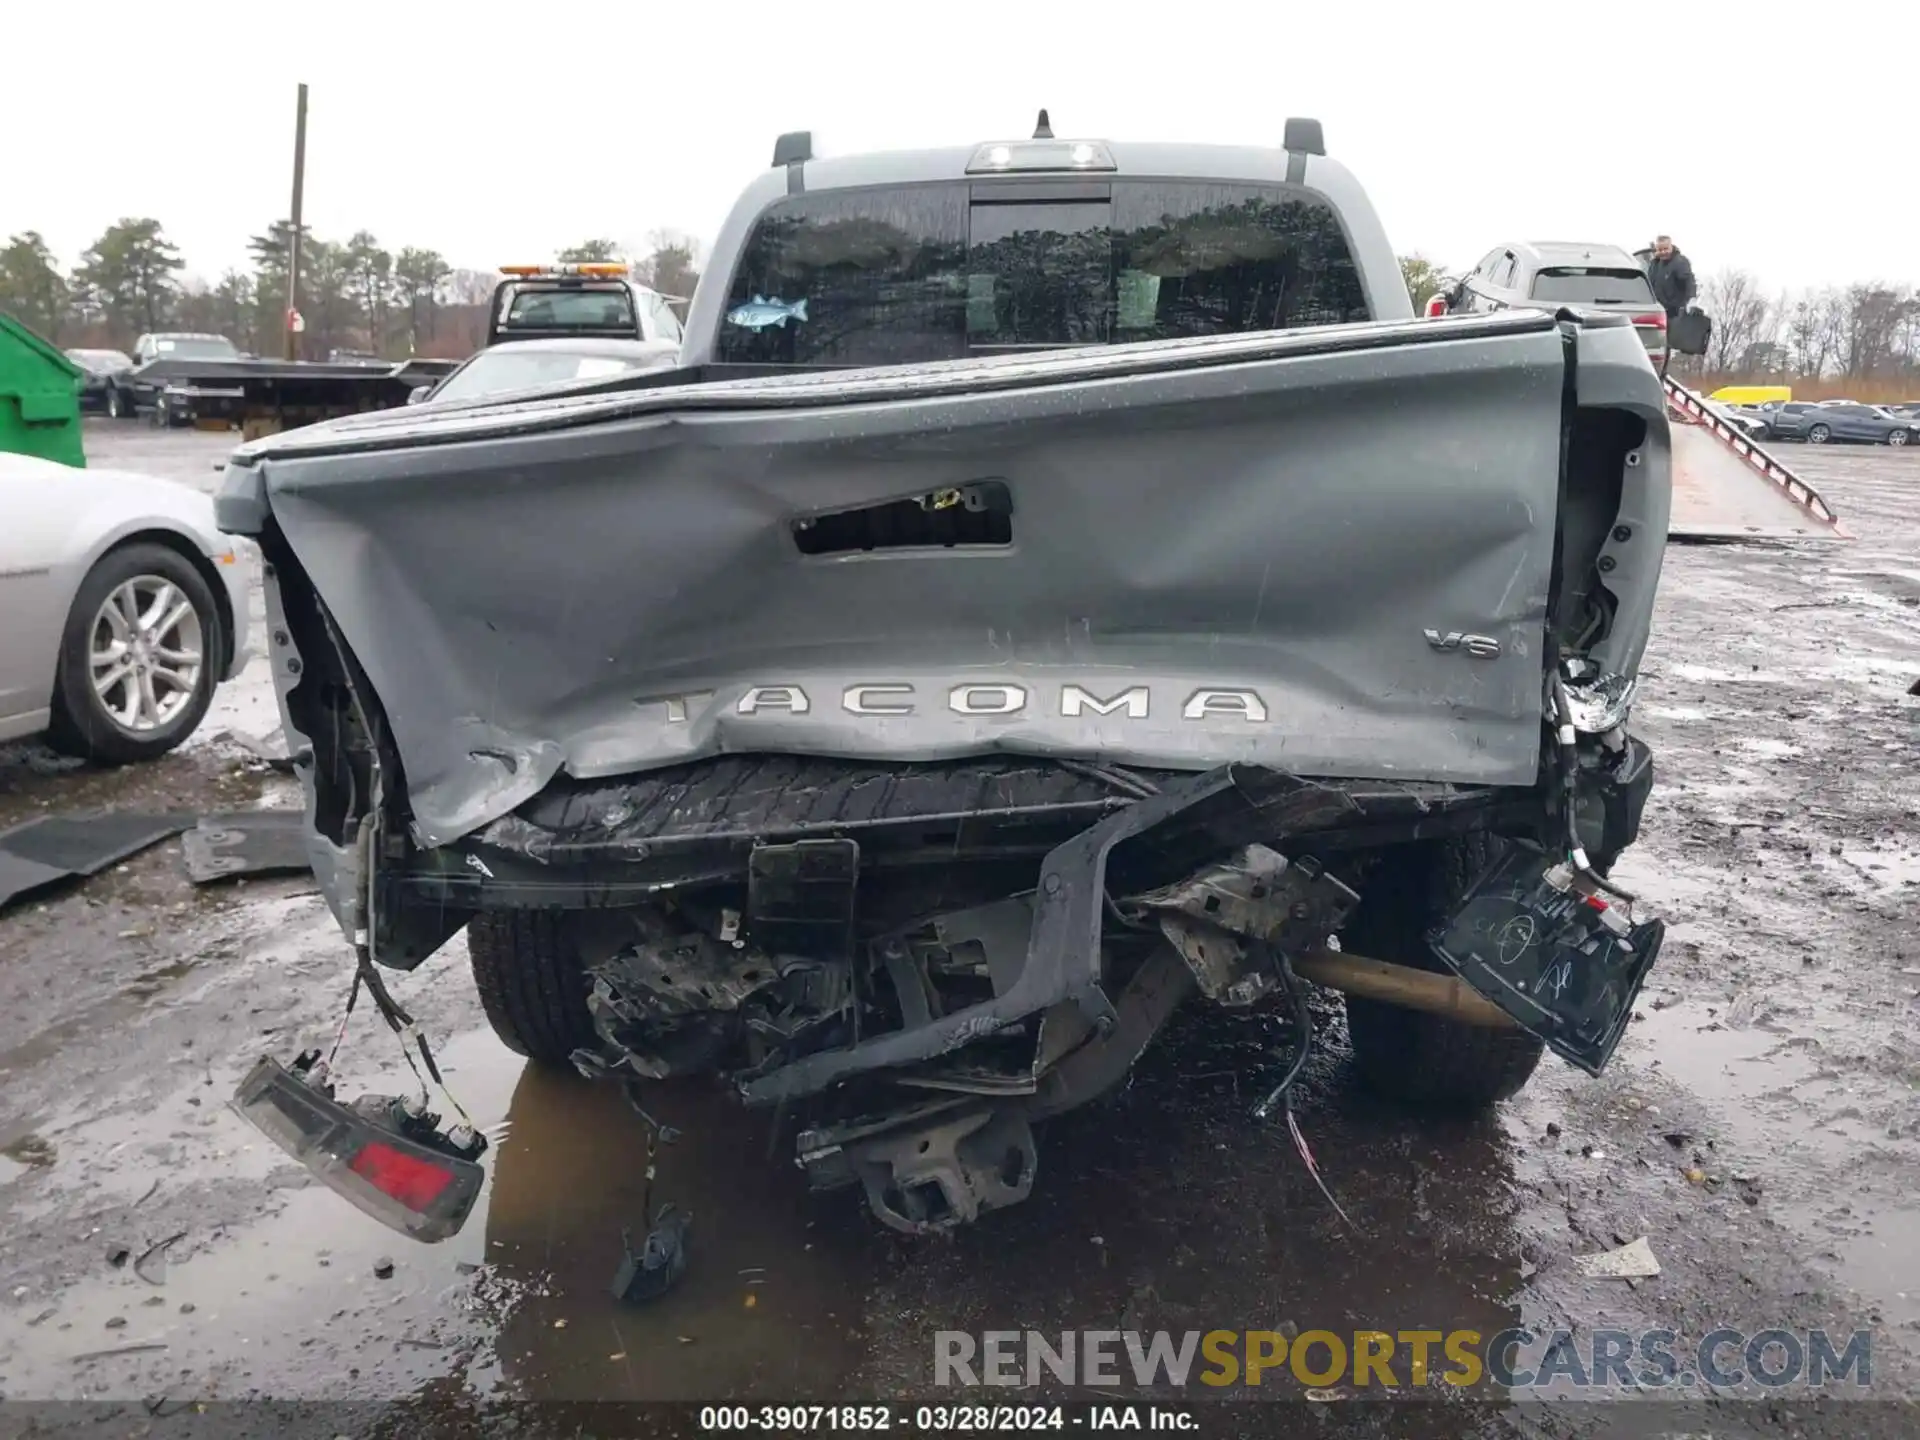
pixel 936 1419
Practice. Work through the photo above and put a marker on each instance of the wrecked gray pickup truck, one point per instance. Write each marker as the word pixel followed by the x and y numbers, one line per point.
pixel 1061 578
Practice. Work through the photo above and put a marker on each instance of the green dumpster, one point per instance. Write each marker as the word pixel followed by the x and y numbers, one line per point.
pixel 39 397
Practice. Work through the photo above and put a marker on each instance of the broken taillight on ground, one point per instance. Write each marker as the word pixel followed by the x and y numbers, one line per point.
pixel 385 1154
pixel 1535 938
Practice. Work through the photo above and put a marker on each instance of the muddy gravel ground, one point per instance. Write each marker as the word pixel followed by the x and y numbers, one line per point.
pixel 1759 1126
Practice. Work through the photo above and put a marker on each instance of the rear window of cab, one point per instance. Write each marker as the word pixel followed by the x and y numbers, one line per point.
pixel 902 275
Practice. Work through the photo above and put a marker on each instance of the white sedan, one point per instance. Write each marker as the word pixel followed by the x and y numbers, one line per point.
pixel 124 607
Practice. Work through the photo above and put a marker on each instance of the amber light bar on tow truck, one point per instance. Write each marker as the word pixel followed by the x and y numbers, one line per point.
pixel 582 269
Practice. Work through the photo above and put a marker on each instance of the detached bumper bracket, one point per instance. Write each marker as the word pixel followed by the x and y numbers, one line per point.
pixel 1063 953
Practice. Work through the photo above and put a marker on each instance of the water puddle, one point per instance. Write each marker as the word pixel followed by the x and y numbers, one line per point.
pixel 286 1299
pixel 1811 1123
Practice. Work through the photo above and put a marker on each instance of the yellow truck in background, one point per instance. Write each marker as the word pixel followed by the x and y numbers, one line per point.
pixel 1752 394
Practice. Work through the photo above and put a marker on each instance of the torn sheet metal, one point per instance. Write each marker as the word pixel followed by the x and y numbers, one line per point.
pixel 1229 919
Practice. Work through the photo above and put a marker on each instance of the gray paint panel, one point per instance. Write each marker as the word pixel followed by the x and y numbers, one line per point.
pixel 1288 526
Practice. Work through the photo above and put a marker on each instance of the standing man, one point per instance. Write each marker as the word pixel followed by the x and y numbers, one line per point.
pixel 1671 275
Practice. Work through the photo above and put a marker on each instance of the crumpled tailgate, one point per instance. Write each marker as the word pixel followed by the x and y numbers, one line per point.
pixel 1329 552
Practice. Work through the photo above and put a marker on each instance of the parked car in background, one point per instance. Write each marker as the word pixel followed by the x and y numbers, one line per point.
pixel 1744 418
pixel 128 393
pixel 1788 420
pixel 100 367
pixel 1552 273
pixel 529 364
pixel 1845 420
pixel 125 606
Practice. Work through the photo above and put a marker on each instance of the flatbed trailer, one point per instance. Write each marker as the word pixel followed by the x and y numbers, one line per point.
pixel 261 397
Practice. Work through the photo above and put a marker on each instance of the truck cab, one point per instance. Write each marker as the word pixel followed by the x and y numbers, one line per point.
pixel 180 345
pixel 598 300
pixel 135 391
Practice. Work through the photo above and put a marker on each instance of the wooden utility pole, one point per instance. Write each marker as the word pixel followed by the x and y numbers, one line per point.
pixel 293 257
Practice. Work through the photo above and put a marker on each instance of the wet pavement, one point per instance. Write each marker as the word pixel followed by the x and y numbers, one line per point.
pixel 1760 1124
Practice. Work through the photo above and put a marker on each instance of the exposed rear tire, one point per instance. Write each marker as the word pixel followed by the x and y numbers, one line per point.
pixel 1898 437
pixel 532 983
pixel 1818 434
pixel 1410 1055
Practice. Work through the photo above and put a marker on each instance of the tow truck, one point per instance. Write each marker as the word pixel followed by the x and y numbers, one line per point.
pixel 597 299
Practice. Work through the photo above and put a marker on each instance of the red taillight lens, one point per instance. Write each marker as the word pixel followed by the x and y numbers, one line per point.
pixel 414 1182
pixel 1659 322
pixel 1436 307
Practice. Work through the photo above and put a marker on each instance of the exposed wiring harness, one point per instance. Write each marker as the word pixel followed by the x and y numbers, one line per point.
pixel 365 973
pixel 1282 1094
pixel 1569 774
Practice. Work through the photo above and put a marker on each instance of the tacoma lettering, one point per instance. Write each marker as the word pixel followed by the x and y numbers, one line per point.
pixel 995 697
pixel 1074 700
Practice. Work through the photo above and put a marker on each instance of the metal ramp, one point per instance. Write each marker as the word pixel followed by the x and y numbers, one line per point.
pixel 1726 487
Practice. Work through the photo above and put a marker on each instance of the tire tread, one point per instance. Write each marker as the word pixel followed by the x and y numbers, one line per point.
pixel 532 984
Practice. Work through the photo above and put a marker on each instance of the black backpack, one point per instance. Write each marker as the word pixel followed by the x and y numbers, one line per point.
pixel 1689 331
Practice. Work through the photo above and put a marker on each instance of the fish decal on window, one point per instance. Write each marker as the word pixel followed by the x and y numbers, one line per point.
pixel 760 312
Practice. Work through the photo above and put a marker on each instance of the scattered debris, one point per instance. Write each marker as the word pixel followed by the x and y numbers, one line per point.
pixel 1629 1262
pixel 270 752
pixel 246 842
pixel 659 1264
pixel 118 1255
pixel 383 1268
pixel 561 1323
pixel 157 1248
pixel 1695 1175
pixel 1553 1130
pixel 118 1322
pixel 1679 1139
pixel 139 1349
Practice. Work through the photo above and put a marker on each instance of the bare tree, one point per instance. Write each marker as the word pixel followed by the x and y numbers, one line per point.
pixel 673 263
pixel 1742 319
pixel 470 287
pixel 1813 332
pixel 1869 319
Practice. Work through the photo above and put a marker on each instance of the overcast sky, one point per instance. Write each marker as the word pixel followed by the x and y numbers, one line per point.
pixel 497 139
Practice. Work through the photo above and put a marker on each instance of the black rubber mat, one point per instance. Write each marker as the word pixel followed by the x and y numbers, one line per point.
pixel 60 847
pixel 246 842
